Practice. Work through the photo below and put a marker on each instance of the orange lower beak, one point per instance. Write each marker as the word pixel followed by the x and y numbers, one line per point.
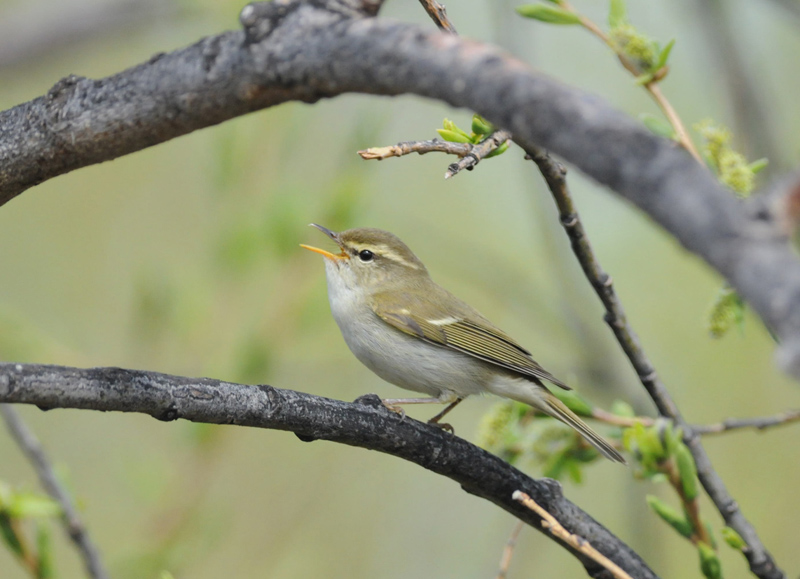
pixel 324 253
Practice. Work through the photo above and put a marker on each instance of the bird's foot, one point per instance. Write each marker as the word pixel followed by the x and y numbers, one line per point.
pixel 443 425
pixel 395 408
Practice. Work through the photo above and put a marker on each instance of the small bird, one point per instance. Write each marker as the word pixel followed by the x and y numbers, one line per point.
pixel 415 334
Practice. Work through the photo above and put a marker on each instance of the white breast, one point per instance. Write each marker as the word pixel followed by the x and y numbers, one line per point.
pixel 396 357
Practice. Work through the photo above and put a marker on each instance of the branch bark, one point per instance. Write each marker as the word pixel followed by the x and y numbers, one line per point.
pixel 365 423
pixel 304 50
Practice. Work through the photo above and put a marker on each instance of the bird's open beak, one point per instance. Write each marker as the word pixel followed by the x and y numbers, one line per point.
pixel 322 252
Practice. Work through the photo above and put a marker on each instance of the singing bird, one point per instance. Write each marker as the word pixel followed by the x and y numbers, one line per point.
pixel 415 334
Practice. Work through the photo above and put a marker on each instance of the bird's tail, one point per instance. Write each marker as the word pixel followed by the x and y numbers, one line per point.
pixel 540 398
pixel 558 410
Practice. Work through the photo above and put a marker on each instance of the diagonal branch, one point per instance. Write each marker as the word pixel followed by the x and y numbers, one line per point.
pixel 760 560
pixel 33 450
pixel 438 14
pixel 365 423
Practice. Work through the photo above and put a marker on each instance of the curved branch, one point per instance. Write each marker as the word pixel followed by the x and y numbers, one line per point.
pixel 365 423
pixel 304 50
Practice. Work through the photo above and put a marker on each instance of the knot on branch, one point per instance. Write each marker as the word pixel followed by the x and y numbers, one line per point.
pixel 260 19
pixel 372 400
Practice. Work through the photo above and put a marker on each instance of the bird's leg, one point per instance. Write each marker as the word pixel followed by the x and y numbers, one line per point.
pixel 395 404
pixel 435 420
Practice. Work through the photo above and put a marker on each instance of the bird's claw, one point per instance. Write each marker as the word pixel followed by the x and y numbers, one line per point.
pixel 396 409
pixel 444 426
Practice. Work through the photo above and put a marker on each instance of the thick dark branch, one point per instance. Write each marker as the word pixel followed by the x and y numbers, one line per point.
pixel 365 423
pixel 33 450
pixel 294 50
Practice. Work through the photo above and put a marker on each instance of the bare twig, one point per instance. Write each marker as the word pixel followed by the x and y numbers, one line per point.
pixel 33 450
pixel 470 154
pixel 550 523
pixel 759 423
pixel 419 147
pixel 478 152
pixel 438 14
pixel 555 175
pixel 508 551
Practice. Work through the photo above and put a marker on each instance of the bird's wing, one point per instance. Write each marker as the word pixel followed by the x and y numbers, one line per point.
pixel 474 336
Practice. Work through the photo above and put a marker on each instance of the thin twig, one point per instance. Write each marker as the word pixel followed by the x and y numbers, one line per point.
pixel 554 174
pixel 681 134
pixel 478 152
pixel 508 551
pixel 727 425
pixel 550 523
pixel 438 14
pixel 470 155
pixel 759 423
pixel 33 450
pixel 419 147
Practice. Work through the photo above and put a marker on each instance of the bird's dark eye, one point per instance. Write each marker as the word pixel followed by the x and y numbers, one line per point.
pixel 366 255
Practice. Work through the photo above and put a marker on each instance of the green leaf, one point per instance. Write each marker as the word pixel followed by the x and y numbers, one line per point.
pixel 727 311
pixel 9 535
pixel 498 151
pixel 44 550
pixel 733 538
pixel 657 125
pixel 481 126
pixel 669 515
pixel 549 14
pixel 28 505
pixel 709 562
pixel 452 136
pixel 449 125
pixel 622 408
pixel 672 438
pixel 617 13
pixel 663 56
pixel 575 472
pixel 687 471
pixel 759 165
pixel 574 401
pixel 710 533
pixel 644 79
pixel 649 443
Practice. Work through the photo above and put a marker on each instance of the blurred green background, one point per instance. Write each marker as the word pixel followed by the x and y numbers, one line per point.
pixel 184 259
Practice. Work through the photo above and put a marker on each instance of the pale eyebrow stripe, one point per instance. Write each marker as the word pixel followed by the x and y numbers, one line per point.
pixel 384 251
